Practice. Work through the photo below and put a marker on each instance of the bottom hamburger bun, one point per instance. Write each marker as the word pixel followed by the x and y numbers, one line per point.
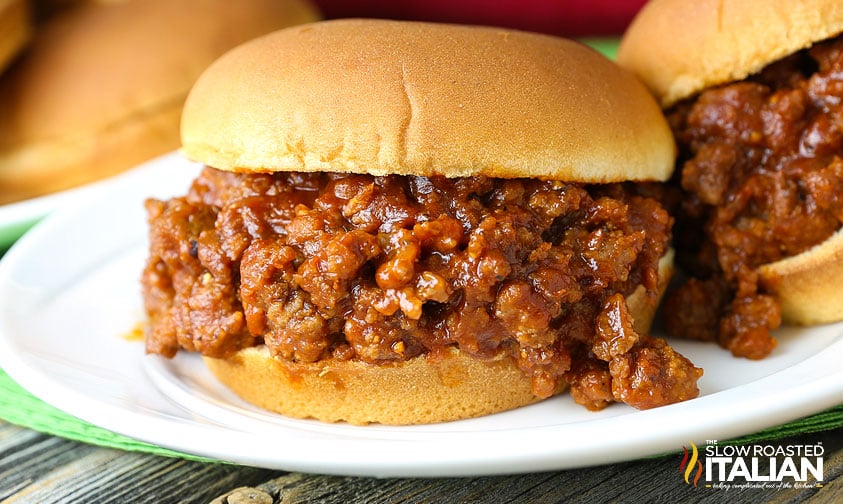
pixel 643 307
pixel 15 29
pixel 422 390
pixel 808 284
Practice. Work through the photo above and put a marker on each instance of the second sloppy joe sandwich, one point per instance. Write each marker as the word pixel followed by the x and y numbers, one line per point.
pixel 410 223
pixel 753 93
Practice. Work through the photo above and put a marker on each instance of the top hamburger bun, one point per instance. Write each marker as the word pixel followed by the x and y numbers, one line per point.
pixel 385 97
pixel 15 29
pixel 679 48
pixel 409 98
pixel 102 85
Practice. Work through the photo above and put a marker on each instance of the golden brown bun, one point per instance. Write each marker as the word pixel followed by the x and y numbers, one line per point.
pixel 390 97
pixel 680 47
pixel 102 85
pixel 808 284
pixel 15 29
pixel 644 307
pixel 422 390
pixel 418 391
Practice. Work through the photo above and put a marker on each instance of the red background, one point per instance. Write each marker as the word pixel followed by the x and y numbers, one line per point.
pixel 573 18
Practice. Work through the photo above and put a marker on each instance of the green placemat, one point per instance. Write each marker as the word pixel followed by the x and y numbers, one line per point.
pixel 608 46
pixel 19 407
pixel 9 233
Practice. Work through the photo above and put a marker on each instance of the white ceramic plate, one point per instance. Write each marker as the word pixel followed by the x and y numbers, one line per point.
pixel 69 295
pixel 16 218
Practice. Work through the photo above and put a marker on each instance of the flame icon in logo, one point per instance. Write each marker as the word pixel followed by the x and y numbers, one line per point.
pixel 687 466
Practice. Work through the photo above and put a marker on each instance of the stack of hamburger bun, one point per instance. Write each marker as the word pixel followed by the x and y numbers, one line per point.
pixel 100 86
pixel 753 93
pixel 15 29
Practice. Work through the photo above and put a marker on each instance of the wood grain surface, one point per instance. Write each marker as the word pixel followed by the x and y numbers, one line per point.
pixel 37 468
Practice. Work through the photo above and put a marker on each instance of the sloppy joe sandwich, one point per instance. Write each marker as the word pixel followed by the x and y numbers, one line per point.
pixel 754 97
pixel 404 222
pixel 101 85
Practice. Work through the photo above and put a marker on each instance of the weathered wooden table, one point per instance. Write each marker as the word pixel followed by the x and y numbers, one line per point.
pixel 37 468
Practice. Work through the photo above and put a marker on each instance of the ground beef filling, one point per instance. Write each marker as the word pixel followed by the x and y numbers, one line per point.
pixel 384 269
pixel 762 176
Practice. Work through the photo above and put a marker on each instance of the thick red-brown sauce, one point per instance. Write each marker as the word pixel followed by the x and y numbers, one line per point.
pixel 385 269
pixel 762 177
